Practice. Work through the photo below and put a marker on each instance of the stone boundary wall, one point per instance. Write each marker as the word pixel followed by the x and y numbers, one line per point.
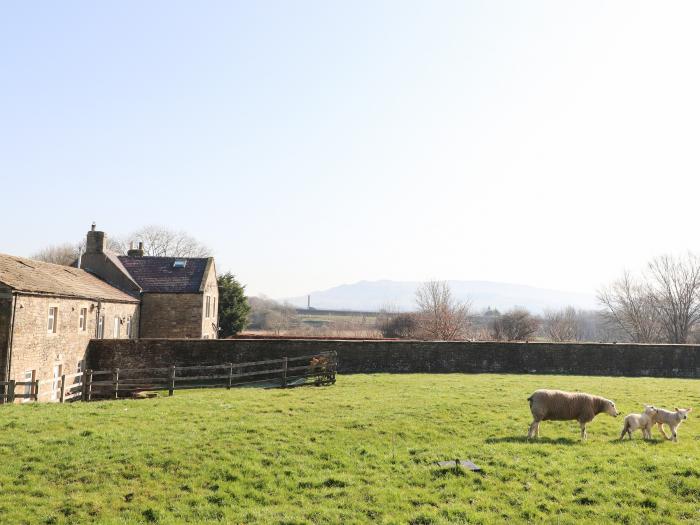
pixel 374 356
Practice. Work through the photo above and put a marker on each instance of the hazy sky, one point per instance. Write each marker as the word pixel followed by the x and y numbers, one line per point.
pixel 317 143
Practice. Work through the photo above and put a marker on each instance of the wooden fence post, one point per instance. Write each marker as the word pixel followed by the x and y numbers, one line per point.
pixel 83 389
pixel 115 380
pixel 36 390
pixel 171 390
pixel 11 391
pixel 89 386
pixel 284 372
pixel 230 376
pixel 63 389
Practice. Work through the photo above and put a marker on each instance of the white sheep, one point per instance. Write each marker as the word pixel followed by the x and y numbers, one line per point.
pixel 643 421
pixel 558 405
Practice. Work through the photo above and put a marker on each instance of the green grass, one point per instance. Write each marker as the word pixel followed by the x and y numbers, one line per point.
pixel 361 451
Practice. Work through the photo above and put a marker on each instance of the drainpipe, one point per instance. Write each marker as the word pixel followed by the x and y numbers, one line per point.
pixel 97 323
pixel 8 368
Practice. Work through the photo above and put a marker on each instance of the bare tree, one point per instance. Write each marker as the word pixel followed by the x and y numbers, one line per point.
pixel 563 325
pixel 630 306
pixel 440 315
pixel 675 294
pixel 64 254
pixel 515 325
pixel 163 242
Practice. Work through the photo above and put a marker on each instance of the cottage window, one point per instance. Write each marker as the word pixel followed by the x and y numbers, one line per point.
pixel 53 319
pixel 208 306
pixel 83 319
pixel 101 327
pixel 213 308
pixel 117 322
pixel 128 327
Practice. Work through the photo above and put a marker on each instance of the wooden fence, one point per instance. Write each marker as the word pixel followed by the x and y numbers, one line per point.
pixel 125 382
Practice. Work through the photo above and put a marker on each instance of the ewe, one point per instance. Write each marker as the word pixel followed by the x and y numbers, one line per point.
pixel 557 405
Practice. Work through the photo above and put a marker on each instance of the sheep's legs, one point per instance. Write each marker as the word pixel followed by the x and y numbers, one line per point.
pixel 661 429
pixel 624 431
pixel 534 430
pixel 584 435
pixel 674 434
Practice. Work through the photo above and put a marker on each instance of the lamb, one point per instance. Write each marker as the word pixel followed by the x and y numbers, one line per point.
pixel 643 421
pixel 672 419
pixel 557 405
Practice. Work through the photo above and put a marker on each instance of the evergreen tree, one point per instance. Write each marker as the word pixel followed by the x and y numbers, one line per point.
pixel 233 306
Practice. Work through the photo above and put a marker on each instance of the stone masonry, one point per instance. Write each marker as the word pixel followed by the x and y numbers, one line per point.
pixel 356 356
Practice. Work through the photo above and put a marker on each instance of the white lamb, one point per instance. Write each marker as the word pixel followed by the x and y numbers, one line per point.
pixel 643 421
pixel 672 419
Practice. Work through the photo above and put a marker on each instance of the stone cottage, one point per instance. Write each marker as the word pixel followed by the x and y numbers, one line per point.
pixel 49 313
pixel 179 295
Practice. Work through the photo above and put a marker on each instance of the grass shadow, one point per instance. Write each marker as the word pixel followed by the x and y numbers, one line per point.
pixel 526 440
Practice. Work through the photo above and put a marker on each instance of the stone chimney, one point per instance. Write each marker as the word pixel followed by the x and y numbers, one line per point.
pixel 138 252
pixel 96 241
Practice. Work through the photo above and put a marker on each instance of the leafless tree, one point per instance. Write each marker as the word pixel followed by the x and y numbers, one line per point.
pixel 674 285
pixel 563 325
pixel 440 315
pixel 64 254
pixel 164 242
pixel 630 306
pixel 515 325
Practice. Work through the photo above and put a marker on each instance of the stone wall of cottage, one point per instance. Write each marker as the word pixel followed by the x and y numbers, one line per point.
pixel 172 315
pixel 38 352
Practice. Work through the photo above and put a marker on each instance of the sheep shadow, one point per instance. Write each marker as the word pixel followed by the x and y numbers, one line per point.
pixel 652 441
pixel 528 441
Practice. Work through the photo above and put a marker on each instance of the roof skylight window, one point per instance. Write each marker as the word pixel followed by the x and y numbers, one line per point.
pixel 180 263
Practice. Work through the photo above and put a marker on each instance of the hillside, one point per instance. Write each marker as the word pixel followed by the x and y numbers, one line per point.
pixel 373 295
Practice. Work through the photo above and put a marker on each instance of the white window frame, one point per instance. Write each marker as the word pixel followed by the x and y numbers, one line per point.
pixel 52 323
pixel 82 320
pixel 117 327
pixel 208 307
pixel 101 327
pixel 128 327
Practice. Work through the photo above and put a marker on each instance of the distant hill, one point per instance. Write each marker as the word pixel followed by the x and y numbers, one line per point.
pixel 373 295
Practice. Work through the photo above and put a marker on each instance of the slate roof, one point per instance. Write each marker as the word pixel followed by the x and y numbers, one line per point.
pixel 28 275
pixel 158 275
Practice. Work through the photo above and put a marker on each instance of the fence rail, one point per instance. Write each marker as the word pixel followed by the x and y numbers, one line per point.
pixel 125 382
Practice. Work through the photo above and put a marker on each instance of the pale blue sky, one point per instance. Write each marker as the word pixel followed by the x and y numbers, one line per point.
pixel 317 143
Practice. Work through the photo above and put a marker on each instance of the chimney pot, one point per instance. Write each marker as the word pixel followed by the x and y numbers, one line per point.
pixel 138 252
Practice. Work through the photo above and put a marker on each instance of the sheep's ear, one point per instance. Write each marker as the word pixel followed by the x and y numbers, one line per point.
pixel 676 409
pixel 689 410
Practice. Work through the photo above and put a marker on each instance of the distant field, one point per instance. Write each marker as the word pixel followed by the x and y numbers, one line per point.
pixel 361 451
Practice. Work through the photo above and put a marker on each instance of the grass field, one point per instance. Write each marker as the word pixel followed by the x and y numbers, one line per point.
pixel 361 451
